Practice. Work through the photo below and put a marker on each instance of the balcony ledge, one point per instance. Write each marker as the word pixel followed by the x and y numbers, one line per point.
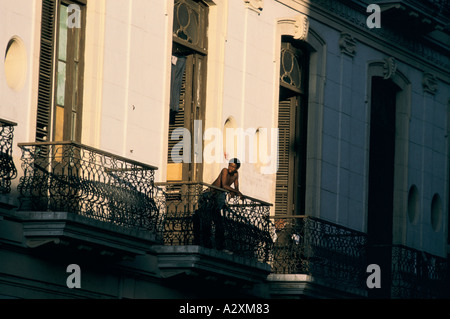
pixel 195 260
pixel 292 286
pixel 62 228
pixel 412 16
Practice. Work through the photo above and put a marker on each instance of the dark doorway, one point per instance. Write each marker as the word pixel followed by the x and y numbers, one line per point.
pixel 381 180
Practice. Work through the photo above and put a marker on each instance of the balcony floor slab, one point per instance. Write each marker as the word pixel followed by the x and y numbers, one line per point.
pixel 298 286
pixel 192 259
pixel 40 228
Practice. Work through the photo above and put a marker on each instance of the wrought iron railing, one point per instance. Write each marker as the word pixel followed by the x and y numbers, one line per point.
pixel 308 245
pixel 436 8
pixel 200 214
pixel 75 178
pixel 416 274
pixel 8 170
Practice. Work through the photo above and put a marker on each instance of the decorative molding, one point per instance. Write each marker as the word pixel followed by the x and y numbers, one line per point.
pixel 301 27
pixel 298 26
pixel 357 17
pixel 383 67
pixel 347 44
pixel 390 67
pixel 255 5
pixel 429 83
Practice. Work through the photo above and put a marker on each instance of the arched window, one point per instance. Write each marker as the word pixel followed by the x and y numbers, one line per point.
pixel 188 83
pixel 292 128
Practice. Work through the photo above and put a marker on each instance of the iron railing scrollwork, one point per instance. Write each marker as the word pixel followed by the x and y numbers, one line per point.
pixel 339 255
pixel 437 8
pixel 308 245
pixel 75 178
pixel 8 170
pixel 417 274
pixel 199 214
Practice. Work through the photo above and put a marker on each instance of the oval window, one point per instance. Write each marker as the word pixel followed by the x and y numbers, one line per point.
pixel 413 203
pixel 15 63
pixel 436 212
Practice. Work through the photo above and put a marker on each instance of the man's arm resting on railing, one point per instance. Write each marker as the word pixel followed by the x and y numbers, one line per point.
pixel 225 181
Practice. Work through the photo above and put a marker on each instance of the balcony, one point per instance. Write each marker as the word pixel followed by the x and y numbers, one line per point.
pixel 8 170
pixel 416 274
pixel 81 196
pixel 201 238
pixel 415 17
pixel 316 258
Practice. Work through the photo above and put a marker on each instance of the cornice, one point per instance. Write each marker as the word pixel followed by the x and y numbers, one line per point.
pixel 352 19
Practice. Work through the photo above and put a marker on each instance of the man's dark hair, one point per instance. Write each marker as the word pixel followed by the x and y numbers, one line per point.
pixel 235 161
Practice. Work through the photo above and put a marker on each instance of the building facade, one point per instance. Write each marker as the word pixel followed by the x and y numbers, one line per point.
pixel 118 115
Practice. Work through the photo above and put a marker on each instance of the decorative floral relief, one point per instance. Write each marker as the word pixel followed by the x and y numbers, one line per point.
pixel 347 44
pixel 429 83
pixel 301 27
pixel 390 67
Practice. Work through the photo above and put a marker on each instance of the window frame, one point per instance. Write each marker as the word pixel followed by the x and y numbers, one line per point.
pixel 69 132
pixel 295 100
pixel 46 120
pixel 194 97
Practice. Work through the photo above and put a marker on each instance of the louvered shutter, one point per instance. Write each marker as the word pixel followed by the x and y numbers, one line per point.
pixel 283 197
pixel 45 86
pixel 177 121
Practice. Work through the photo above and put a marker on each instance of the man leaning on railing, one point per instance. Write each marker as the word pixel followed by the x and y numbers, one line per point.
pixel 212 202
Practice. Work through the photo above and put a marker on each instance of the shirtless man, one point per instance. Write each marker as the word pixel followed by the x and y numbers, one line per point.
pixel 210 205
pixel 229 176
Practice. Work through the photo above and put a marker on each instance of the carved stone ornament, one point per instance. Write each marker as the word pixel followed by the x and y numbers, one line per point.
pixel 301 27
pixel 347 44
pixel 390 67
pixel 429 83
pixel 255 5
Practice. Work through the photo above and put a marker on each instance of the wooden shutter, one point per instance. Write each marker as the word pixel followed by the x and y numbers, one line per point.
pixel 177 121
pixel 45 87
pixel 283 197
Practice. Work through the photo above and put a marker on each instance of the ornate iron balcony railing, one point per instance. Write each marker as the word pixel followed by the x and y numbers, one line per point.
pixel 416 274
pixel 194 215
pixel 75 178
pixel 8 170
pixel 437 7
pixel 434 8
pixel 308 245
